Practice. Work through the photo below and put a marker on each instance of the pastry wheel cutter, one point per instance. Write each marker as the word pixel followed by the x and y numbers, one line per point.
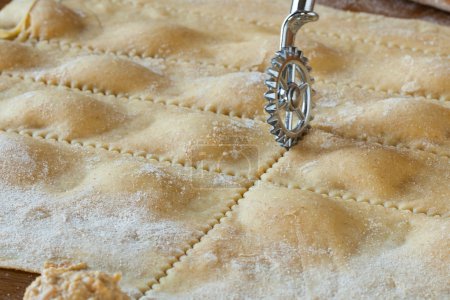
pixel 289 80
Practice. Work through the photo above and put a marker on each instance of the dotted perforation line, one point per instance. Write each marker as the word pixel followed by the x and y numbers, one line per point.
pixel 63 45
pixel 170 11
pixel 135 56
pixel 89 89
pixel 347 196
pixel 231 114
pixel 138 154
pixel 389 92
pixel 188 245
pixel 367 41
pixel 273 26
pixel 381 141
pixel 226 214
pixel 132 55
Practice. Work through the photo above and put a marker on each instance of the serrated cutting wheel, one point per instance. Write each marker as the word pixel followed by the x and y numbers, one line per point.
pixel 290 83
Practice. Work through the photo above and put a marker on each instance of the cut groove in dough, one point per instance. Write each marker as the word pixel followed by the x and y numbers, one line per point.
pixel 271 247
pixel 413 123
pixel 95 91
pixel 369 139
pixel 137 154
pixel 172 39
pixel 389 93
pixel 345 196
pixel 61 44
pixel 383 142
pixel 219 219
pixel 338 44
pixel 136 127
pixel 274 26
pixel 113 80
pixel 364 40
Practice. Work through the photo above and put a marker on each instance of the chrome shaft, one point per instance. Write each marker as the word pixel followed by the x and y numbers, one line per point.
pixel 305 5
pixel 301 13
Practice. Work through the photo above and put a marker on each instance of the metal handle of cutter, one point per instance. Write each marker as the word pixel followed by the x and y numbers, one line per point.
pixel 301 13
pixel 305 5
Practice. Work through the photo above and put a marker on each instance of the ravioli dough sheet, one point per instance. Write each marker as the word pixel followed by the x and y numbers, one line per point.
pixel 132 131
pixel 285 243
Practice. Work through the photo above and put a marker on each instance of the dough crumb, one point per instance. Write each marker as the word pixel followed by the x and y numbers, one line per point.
pixel 74 282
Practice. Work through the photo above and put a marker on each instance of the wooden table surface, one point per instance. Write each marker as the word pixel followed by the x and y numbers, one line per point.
pixel 13 283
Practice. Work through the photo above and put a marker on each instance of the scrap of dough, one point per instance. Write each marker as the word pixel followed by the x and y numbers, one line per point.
pixel 74 282
pixel 21 25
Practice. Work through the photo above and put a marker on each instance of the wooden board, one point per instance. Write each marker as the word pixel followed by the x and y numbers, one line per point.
pixel 13 283
pixel 3 3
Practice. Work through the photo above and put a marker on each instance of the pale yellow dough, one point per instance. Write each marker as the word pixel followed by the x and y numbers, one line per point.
pixel 132 137
pixel 290 244
pixel 74 282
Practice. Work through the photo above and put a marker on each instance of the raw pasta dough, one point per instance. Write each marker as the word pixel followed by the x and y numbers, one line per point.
pixel 132 137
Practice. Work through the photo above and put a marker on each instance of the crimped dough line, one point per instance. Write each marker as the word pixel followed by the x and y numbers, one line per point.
pixel 368 88
pixel 137 57
pixel 230 114
pixel 312 189
pixel 210 223
pixel 338 194
pixel 382 142
pixel 183 250
pixel 224 214
pixel 363 40
pixel 265 25
pixel 139 154
pixel 133 55
pixel 105 93
pixel 219 221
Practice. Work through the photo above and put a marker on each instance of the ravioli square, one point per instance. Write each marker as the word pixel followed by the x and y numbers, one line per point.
pixel 115 212
pixel 354 170
pixel 203 140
